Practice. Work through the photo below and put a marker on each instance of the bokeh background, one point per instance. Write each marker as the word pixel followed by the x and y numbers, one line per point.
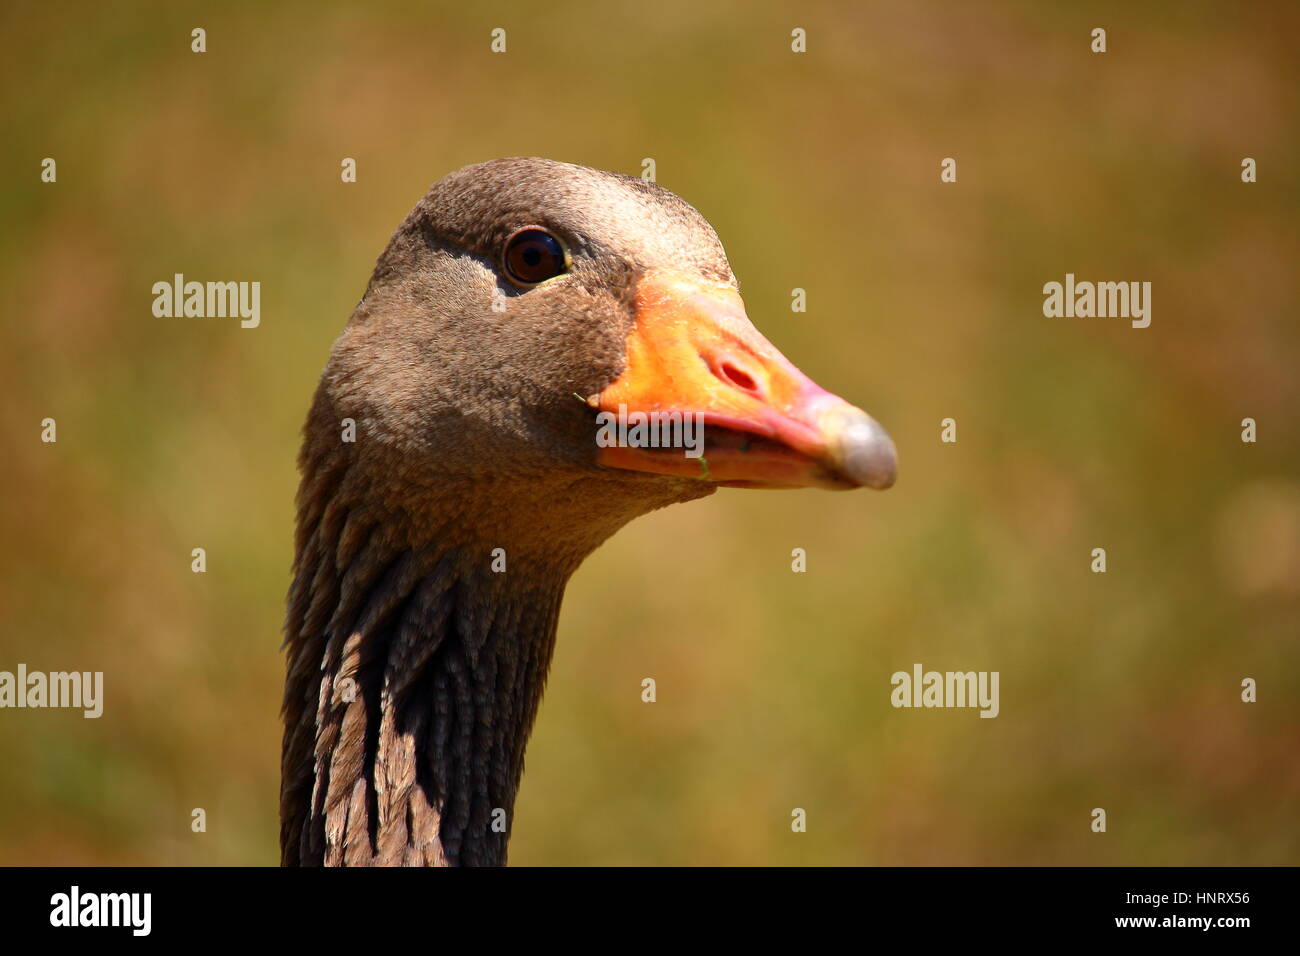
pixel 819 171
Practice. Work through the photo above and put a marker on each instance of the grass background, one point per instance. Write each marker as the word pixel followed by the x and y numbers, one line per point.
pixel 819 171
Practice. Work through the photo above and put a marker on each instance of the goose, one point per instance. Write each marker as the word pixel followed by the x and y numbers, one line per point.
pixel 451 483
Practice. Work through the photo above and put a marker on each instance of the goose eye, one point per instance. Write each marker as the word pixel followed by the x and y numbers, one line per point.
pixel 533 255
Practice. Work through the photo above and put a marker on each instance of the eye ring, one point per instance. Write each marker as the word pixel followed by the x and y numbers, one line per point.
pixel 533 254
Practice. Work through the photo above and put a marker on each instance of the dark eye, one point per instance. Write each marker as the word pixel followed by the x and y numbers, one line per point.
pixel 533 255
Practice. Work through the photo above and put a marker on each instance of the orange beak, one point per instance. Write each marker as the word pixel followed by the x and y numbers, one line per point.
pixel 694 359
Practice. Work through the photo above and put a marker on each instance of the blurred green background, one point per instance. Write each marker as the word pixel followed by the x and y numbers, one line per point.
pixel 818 171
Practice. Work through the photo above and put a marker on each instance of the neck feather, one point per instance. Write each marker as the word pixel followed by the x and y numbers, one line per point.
pixel 414 676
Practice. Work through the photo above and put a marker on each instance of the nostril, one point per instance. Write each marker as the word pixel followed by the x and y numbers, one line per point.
pixel 737 377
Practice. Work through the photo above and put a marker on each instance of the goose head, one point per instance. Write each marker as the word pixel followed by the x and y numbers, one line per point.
pixel 521 306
